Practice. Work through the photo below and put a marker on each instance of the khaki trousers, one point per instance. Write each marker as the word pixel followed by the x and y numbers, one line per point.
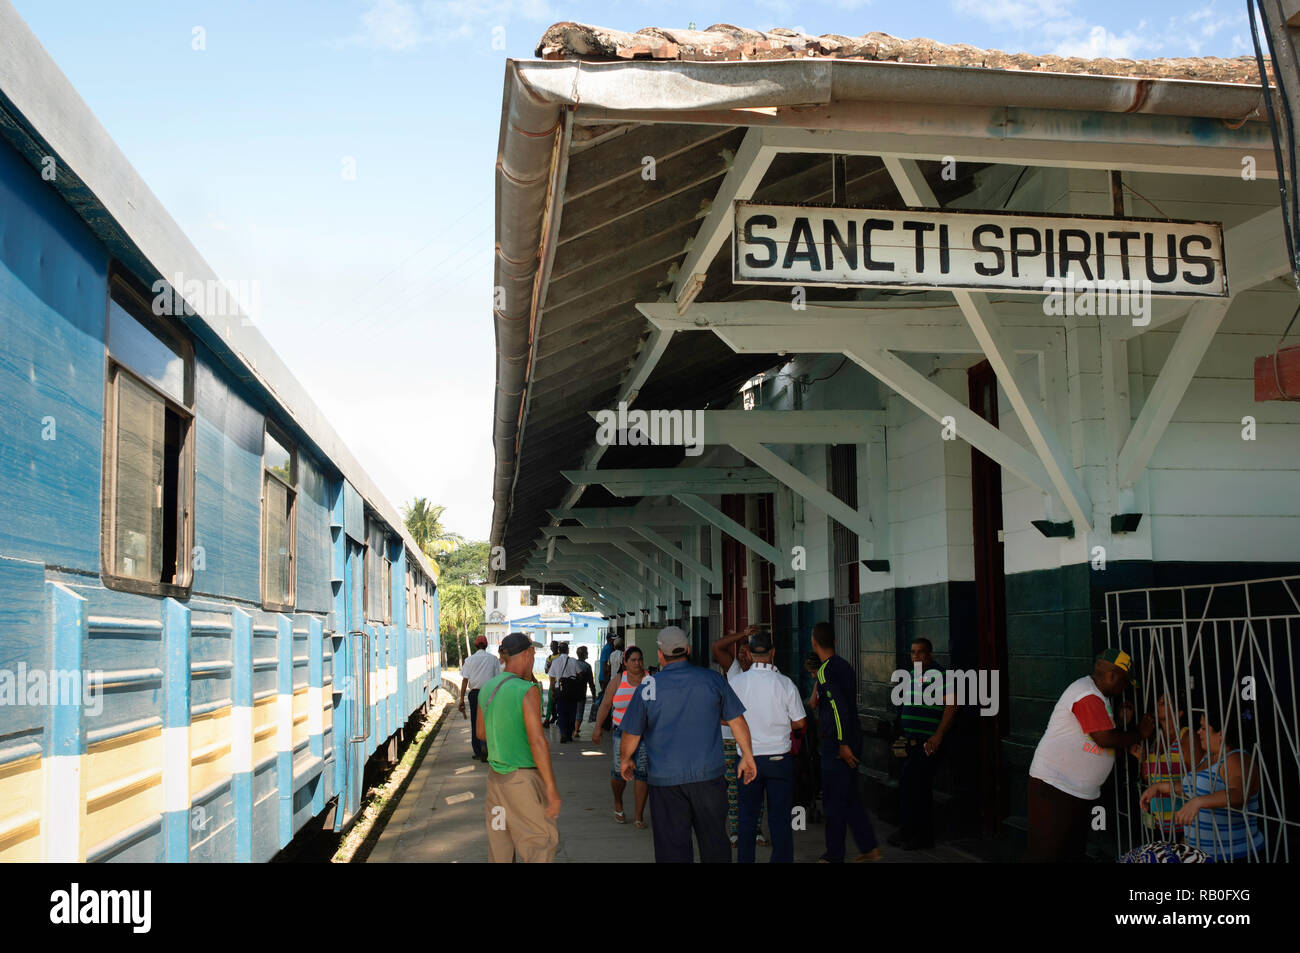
pixel 516 818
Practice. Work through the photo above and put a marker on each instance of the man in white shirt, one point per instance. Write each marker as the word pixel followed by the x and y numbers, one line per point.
pixel 773 709
pixel 615 660
pixel 566 709
pixel 479 669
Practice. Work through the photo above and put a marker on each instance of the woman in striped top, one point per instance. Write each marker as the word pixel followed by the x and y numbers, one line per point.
pixel 1218 815
pixel 1161 761
pixel 615 705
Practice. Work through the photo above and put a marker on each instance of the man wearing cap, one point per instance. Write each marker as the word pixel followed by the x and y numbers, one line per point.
pixel 772 709
pixel 679 713
pixel 522 799
pixel 1074 758
pixel 475 673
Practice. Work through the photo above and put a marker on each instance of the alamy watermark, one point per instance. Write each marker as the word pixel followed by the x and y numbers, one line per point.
pixel 639 428
pixel 956 686
pixel 1100 297
pixel 211 298
pixel 38 686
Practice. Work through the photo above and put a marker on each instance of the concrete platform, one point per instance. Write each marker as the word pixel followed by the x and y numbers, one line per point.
pixel 440 818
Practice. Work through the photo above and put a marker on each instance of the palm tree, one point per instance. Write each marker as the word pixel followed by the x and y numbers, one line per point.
pixel 461 607
pixel 424 523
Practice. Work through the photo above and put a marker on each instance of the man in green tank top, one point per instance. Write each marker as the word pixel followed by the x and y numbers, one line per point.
pixel 924 726
pixel 522 799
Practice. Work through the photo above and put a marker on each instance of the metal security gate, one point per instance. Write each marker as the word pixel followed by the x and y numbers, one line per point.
pixel 1225 649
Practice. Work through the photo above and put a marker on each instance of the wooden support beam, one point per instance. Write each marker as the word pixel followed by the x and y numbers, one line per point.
pixel 585 552
pixel 582 569
pixel 737 532
pixel 819 328
pixel 666 577
pixel 996 344
pixel 655 481
pixel 1254 253
pixel 791 426
pixel 711 575
pixel 902 378
pixel 747 170
pixel 630 515
pixel 594 534
pixel 570 579
pixel 1179 368
pixel 612 550
pixel 1024 136
pixel 810 490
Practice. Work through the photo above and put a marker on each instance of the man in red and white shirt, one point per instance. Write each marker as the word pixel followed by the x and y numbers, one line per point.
pixel 1074 758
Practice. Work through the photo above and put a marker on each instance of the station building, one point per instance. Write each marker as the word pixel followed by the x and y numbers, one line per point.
pixel 905 449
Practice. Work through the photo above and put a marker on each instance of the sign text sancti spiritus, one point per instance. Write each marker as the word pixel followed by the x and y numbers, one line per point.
pixel 796 245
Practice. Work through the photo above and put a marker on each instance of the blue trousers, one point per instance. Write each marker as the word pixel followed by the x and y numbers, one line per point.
pixel 775 779
pixel 842 802
pixel 478 746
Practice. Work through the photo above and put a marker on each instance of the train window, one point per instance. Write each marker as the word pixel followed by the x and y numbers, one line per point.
pixel 148 486
pixel 279 512
pixel 379 574
pixel 388 587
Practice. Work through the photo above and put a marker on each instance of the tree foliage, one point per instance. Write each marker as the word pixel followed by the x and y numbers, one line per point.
pixel 461 617
pixel 465 565
pixel 424 523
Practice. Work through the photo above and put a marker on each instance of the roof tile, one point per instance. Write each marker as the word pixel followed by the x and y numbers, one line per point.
pixel 724 42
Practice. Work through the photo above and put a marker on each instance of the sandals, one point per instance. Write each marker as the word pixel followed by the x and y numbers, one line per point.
pixel 641 825
pixel 619 817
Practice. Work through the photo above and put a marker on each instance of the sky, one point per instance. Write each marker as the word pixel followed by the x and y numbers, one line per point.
pixel 339 155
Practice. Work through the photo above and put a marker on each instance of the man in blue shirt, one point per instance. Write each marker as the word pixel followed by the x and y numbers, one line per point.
pixel 602 679
pixel 679 713
pixel 836 698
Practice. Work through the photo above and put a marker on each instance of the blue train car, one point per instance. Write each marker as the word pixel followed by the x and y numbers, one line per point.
pixel 210 617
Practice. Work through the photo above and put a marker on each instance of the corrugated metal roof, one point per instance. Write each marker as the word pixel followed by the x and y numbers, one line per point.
pixel 724 42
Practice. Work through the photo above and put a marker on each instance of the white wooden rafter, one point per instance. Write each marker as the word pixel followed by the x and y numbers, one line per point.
pixel 998 350
pixel 733 529
pixel 746 172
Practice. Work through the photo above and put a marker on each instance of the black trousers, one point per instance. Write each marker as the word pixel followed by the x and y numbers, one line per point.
pixel 916 795
pixel 478 746
pixel 680 809
pixel 1058 825
pixel 845 812
pixel 564 714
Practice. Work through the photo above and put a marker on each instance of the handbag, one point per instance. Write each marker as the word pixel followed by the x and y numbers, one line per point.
pixel 571 687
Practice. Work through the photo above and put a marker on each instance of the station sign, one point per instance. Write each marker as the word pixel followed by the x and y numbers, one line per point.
pixel 976 251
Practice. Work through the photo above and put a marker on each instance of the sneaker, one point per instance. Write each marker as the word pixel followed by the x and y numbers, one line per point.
pixel 870 857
